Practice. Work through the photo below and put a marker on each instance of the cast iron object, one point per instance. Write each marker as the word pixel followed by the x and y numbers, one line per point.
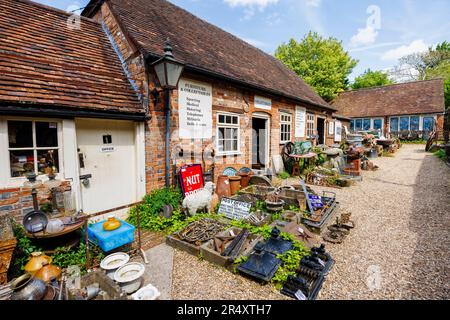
pixel 261 265
pixel 235 247
pixel 319 263
pixel 308 286
pixel 275 244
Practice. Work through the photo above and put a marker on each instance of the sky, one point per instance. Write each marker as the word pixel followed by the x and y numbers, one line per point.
pixel 375 32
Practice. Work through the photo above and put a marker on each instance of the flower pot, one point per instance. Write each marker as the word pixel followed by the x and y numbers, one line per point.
pixel 223 187
pixel 245 179
pixel 235 184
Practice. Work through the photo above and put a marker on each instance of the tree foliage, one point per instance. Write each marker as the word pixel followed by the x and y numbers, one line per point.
pixel 321 62
pixel 372 79
pixel 435 63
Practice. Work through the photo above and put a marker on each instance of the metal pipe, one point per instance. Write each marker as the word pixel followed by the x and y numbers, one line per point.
pixel 167 134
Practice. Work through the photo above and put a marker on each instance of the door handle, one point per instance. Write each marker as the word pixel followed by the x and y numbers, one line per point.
pixel 85 179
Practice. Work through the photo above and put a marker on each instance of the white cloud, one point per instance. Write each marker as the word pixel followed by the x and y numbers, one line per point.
pixel 414 47
pixel 250 3
pixel 364 37
pixel 313 3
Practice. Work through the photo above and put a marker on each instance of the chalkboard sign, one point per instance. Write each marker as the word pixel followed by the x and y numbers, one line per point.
pixel 234 209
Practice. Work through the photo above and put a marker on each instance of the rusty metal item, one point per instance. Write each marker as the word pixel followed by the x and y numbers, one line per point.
pixel 200 231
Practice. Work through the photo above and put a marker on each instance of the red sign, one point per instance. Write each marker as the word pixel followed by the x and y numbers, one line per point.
pixel 191 179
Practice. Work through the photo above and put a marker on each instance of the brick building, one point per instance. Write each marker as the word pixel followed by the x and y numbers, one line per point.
pixel 405 109
pixel 89 83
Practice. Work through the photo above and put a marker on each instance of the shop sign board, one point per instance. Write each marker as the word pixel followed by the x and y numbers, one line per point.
pixel 195 108
pixel 263 103
pixel 331 128
pixel 234 209
pixel 191 179
pixel 300 122
pixel 338 131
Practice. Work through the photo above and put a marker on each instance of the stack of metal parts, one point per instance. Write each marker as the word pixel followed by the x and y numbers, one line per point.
pixel 310 275
pixel 232 251
pixel 263 263
pixel 201 231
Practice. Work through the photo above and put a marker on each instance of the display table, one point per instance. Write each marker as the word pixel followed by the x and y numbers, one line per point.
pixel 302 160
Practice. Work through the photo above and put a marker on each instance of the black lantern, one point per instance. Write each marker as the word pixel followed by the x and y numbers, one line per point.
pixel 167 69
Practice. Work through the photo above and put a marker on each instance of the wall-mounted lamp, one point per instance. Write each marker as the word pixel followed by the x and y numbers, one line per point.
pixel 168 71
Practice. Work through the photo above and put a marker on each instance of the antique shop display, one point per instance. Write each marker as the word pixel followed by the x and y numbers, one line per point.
pixel 149 292
pixel 228 245
pixel 199 200
pixel 27 287
pixel 310 275
pixel 129 276
pixel 36 262
pixel 261 265
pixel 113 262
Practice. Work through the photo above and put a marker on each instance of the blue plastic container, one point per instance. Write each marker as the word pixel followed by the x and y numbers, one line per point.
pixel 110 240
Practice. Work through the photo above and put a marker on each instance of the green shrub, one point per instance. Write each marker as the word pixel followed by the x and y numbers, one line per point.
pixel 284 175
pixel 152 207
pixel 441 154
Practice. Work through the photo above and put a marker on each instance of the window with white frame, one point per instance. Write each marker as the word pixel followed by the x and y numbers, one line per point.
pixel 228 133
pixel 285 127
pixel 310 131
pixel 33 147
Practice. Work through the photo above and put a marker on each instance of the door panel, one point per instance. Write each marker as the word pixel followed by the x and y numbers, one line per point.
pixel 107 153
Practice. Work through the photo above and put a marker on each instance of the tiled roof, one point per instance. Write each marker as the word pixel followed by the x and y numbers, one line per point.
pixel 202 45
pixel 405 98
pixel 44 62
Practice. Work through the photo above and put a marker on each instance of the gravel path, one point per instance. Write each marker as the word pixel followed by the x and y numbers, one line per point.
pixel 400 248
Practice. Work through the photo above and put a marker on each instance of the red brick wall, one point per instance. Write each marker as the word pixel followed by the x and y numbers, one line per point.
pixel 226 97
pixel 17 202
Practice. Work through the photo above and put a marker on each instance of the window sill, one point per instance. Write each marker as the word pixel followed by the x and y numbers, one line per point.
pixel 18 182
pixel 223 154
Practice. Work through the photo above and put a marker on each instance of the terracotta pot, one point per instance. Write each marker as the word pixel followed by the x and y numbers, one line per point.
pixel 223 187
pixel 111 224
pixel 245 179
pixel 48 272
pixel 37 261
pixel 235 184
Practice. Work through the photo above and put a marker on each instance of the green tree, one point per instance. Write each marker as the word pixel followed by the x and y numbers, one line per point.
pixel 322 63
pixel 372 79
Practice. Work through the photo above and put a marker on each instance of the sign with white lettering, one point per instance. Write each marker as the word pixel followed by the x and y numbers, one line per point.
pixel 263 103
pixel 338 132
pixel 300 122
pixel 234 209
pixel 195 108
pixel 191 178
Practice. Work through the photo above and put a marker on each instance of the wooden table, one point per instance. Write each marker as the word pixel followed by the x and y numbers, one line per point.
pixel 304 158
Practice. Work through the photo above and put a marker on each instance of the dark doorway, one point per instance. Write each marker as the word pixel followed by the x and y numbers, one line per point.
pixel 321 130
pixel 259 143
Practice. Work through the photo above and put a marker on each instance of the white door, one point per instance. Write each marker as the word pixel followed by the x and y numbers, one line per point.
pixel 107 159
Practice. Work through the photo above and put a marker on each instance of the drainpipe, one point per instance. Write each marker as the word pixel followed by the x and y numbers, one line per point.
pixel 167 134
